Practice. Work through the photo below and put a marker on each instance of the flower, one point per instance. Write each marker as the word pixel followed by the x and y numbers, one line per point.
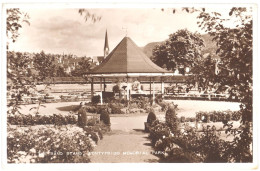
pixel 21 152
pixel 32 150
pixel 41 155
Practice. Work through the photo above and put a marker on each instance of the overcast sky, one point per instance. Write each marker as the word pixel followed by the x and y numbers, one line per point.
pixel 65 31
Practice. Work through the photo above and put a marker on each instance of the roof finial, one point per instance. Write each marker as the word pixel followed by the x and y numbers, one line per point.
pixel 125 28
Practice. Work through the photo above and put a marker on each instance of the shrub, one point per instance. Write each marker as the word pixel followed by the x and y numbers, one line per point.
pixel 92 122
pixel 158 99
pixel 104 117
pixel 151 118
pixel 183 119
pixel 164 106
pixel 55 119
pixel 105 108
pixel 115 108
pixel 171 118
pixel 82 117
pixel 192 119
pixel 95 99
pixel 90 109
pixel 218 116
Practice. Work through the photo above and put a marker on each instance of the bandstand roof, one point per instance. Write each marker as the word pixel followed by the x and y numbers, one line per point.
pixel 127 59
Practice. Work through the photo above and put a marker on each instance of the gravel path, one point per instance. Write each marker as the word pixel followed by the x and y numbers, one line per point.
pixel 126 143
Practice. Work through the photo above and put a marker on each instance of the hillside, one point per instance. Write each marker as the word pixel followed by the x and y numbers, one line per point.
pixel 210 47
pixel 148 49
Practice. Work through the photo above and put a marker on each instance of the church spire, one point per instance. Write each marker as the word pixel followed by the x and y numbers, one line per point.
pixel 106 47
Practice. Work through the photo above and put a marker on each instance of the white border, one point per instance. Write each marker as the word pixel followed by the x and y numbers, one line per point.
pixel 121 166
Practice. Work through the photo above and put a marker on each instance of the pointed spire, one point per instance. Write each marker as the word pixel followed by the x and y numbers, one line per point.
pixel 106 47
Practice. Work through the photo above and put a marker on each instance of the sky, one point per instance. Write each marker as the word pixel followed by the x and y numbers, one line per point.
pixel 56 30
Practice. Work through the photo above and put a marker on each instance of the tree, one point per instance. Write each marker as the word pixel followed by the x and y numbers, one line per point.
pixel 14 21
pixel 19 80
pixel 204 71
pixel 17 63
pixel 82 68
pixel 44 64
pixel 235 46
pixel 60 72
pixel 181 49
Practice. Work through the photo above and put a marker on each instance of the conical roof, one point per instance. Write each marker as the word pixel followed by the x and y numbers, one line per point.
pixel 127 57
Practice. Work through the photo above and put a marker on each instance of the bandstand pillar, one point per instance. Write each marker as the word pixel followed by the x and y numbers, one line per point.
pixel 153 91
pixel 92 87
pixel 101 98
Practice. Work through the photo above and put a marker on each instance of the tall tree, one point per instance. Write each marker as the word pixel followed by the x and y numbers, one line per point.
pixel 44 64
pixel 17 63
pixel 235 49
pixel 180 49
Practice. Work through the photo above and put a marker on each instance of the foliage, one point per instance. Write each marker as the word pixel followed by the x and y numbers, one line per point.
pixel 141 102
pixel 88 15
pixel 82 117
pixel 181 49
pixel 60 72
pixel 219 116
pixel 44 64
pixel 206 146
pixel 29 120
pixel 82 68
pixel 204 72
pixel 235 48
pixel 48 144
pixel 115 108
pixel 151 117
pixel 19 79
pixel 171 118
pixel 15 18
pixel 104 117
pixel 240 149
pixel 95 99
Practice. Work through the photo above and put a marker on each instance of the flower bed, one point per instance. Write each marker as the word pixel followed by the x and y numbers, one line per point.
pixel 218 116
pixel 188 145
pixel 42 119
pixel 52 144
pixel 120 106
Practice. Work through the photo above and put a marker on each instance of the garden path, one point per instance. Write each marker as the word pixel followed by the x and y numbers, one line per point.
pixel 126 143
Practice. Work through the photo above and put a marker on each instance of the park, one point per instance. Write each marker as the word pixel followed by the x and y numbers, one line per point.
pixel 186 103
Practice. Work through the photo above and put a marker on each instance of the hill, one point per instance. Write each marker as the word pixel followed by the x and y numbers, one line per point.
pixel 210 47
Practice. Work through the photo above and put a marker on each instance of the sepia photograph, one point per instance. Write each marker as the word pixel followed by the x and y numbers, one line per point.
pixel 128 84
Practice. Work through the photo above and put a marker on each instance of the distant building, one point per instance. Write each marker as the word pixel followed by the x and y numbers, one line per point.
pixel 97 59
